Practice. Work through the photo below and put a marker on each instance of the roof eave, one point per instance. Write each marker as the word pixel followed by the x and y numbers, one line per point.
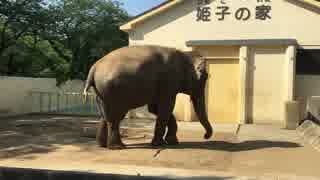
pixel 139 19
pixel 311 2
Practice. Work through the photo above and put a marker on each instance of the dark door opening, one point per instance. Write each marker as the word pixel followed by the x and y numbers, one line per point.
pixel 308 62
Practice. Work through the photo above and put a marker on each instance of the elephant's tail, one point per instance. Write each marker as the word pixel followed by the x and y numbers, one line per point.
pixel 89 82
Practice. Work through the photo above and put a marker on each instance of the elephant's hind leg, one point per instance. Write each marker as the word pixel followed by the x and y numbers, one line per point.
pixel 171 136
pixel 102 129
pixel 114 139
pixel 102 133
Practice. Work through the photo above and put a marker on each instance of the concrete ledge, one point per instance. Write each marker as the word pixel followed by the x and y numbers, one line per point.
pixel 310 133
pixel 7 173
pixel 11 173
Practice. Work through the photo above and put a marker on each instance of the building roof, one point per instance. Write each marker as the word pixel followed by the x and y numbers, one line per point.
pixel 149 13
pixel 171 3
pixel 149 10
pixel 315 3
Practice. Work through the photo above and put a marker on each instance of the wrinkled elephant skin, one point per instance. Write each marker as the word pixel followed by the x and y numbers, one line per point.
pixel 134 76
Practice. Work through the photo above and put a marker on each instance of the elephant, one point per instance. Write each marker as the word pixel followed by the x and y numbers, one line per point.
pixel 152 75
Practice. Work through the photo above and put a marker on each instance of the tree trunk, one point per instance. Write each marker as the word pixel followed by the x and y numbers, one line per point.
pixel 11 67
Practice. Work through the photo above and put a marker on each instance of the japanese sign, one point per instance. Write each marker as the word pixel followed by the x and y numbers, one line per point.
pixel 220 10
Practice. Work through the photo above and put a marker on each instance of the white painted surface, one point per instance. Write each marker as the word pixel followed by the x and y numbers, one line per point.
pixel 243 62
pixel 15 97
pixel 179 24
pixel 305 87
pixel 291 72
pixel 268 85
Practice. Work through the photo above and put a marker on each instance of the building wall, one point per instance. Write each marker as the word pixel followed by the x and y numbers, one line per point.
pixel 15 97
pixel 267 85
pixel 307 85
pixel 178 25
pixel 289 20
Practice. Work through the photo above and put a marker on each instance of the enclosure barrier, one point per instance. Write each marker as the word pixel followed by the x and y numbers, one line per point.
pixel 63 103
pixel 72 103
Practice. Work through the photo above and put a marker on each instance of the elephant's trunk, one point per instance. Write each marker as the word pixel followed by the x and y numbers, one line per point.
pixel 200 109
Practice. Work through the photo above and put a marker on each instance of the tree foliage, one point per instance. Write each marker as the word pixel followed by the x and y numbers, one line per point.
pixel 58 38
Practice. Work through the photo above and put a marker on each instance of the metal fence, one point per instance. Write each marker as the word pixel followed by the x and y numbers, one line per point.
pixel 72 103
pixel 63 103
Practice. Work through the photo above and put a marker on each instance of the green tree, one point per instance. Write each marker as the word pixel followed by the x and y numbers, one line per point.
pixel 19 37
pixel 58 38
pixel 17 19
pixel 82 31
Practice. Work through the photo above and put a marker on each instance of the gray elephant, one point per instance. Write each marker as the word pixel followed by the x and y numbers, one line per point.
pixel 134 76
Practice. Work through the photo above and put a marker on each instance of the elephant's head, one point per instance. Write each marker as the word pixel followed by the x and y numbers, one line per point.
pixel 196 89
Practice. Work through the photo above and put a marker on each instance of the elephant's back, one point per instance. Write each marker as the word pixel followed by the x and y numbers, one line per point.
pixel 130 73
pixel 139 54
pixel 134 61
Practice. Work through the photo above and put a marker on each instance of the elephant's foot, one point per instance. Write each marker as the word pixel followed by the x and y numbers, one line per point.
pixel 158 142
pixel 172 140
pixel 102 143
pixel 118 146
pixel 101 136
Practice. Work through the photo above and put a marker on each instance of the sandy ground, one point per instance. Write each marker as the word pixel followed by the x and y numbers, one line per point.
pixel 57 142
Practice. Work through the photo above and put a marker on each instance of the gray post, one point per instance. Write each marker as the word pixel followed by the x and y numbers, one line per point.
pixel 58 102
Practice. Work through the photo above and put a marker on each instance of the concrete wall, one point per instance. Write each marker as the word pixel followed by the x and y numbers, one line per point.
pixel 15 97
pixel 178 25
pixel 306 86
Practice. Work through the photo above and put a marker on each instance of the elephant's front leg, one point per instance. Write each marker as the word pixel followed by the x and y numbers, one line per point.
pixel 102 129
pixel 164 111
pixel 159 132
pixel 171 136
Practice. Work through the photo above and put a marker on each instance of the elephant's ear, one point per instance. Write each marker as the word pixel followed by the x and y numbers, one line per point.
pixel 202 69
pixel 199 64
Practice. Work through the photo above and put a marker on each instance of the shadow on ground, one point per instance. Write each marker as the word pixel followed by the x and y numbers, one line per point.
pixel 38 134
pixel 35 174
pixel 222 145
pixel 47 134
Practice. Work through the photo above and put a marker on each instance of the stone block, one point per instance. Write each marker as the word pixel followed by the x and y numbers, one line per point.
pixel 292 115
pixel 310 133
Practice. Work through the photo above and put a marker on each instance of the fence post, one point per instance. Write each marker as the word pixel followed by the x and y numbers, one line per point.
pixel 41 101
pixel 58 102
pixel 67 102
pixel 81 105
pixel 32 102
pixel 92 102
pixel 49 101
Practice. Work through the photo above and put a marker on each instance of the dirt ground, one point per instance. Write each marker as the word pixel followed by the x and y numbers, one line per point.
pixel 57 141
